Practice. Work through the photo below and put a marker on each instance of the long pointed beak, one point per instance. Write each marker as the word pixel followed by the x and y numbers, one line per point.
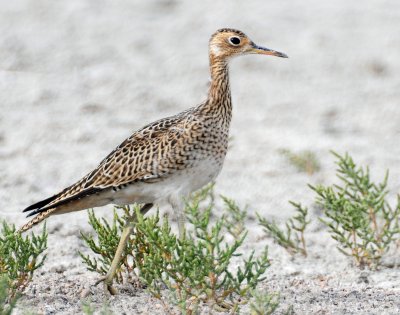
pixel 266 51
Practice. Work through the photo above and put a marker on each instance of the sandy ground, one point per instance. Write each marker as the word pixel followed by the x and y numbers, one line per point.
pixel 78 76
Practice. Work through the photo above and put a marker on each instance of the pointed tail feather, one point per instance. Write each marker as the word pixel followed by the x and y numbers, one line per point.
pixel 39 218
pixel 41 203
pixel 60 199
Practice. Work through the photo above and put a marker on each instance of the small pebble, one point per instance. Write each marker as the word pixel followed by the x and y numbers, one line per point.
pixel 85 293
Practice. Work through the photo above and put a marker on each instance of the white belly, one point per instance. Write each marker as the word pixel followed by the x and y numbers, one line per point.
pixel 181 183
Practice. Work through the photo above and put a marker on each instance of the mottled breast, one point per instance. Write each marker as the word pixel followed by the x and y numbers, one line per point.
pixel 200 150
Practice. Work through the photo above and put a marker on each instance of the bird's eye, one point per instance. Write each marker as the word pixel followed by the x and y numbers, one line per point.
pixel 234 40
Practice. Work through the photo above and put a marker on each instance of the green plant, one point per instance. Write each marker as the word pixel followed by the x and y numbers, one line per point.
pixel 264 303
pixel 358 214
pixel 235 217
pixel 7 304
pixel 194 269
pixel 89 309
pixel 20 257
pixel 304 161
pixel 293 238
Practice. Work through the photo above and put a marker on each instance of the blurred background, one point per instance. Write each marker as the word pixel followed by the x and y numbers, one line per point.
pixel 77 77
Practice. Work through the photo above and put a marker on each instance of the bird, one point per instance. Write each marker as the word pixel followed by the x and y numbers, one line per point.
pixel 165 160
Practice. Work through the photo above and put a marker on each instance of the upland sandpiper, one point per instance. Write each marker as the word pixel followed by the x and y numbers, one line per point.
pixel 165 160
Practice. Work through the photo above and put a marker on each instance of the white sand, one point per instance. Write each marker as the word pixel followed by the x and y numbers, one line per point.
pixel 77 77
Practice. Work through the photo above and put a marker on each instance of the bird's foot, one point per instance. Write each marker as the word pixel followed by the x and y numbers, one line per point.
pixel 107 284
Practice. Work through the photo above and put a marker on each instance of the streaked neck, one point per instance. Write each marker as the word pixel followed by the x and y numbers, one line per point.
pixel 219 88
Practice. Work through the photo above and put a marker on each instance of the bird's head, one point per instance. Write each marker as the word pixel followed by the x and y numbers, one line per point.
pixel 226 43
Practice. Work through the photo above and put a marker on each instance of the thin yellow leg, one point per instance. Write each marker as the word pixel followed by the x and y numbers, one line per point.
pixel 181 224
pixel 179 210
pixel 117 258
pixel 127 231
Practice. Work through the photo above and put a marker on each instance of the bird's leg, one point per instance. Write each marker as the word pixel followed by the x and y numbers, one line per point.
pixel 179 210
pixel 108 279
pixel 126 232
pixel 181 223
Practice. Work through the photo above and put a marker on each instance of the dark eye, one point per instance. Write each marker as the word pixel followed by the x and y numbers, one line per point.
pixel 234 40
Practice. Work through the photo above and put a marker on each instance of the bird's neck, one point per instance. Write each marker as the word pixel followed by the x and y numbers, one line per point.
pixel 219 103
pixel 219 88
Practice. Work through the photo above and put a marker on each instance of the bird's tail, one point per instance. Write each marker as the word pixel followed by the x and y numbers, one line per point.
pixel 37 219
pixel 66 201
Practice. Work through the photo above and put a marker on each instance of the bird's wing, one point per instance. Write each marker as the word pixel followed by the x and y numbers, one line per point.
pixel 146 156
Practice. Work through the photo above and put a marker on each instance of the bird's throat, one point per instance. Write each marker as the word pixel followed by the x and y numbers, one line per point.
pixel 219 88
pixel 219 103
